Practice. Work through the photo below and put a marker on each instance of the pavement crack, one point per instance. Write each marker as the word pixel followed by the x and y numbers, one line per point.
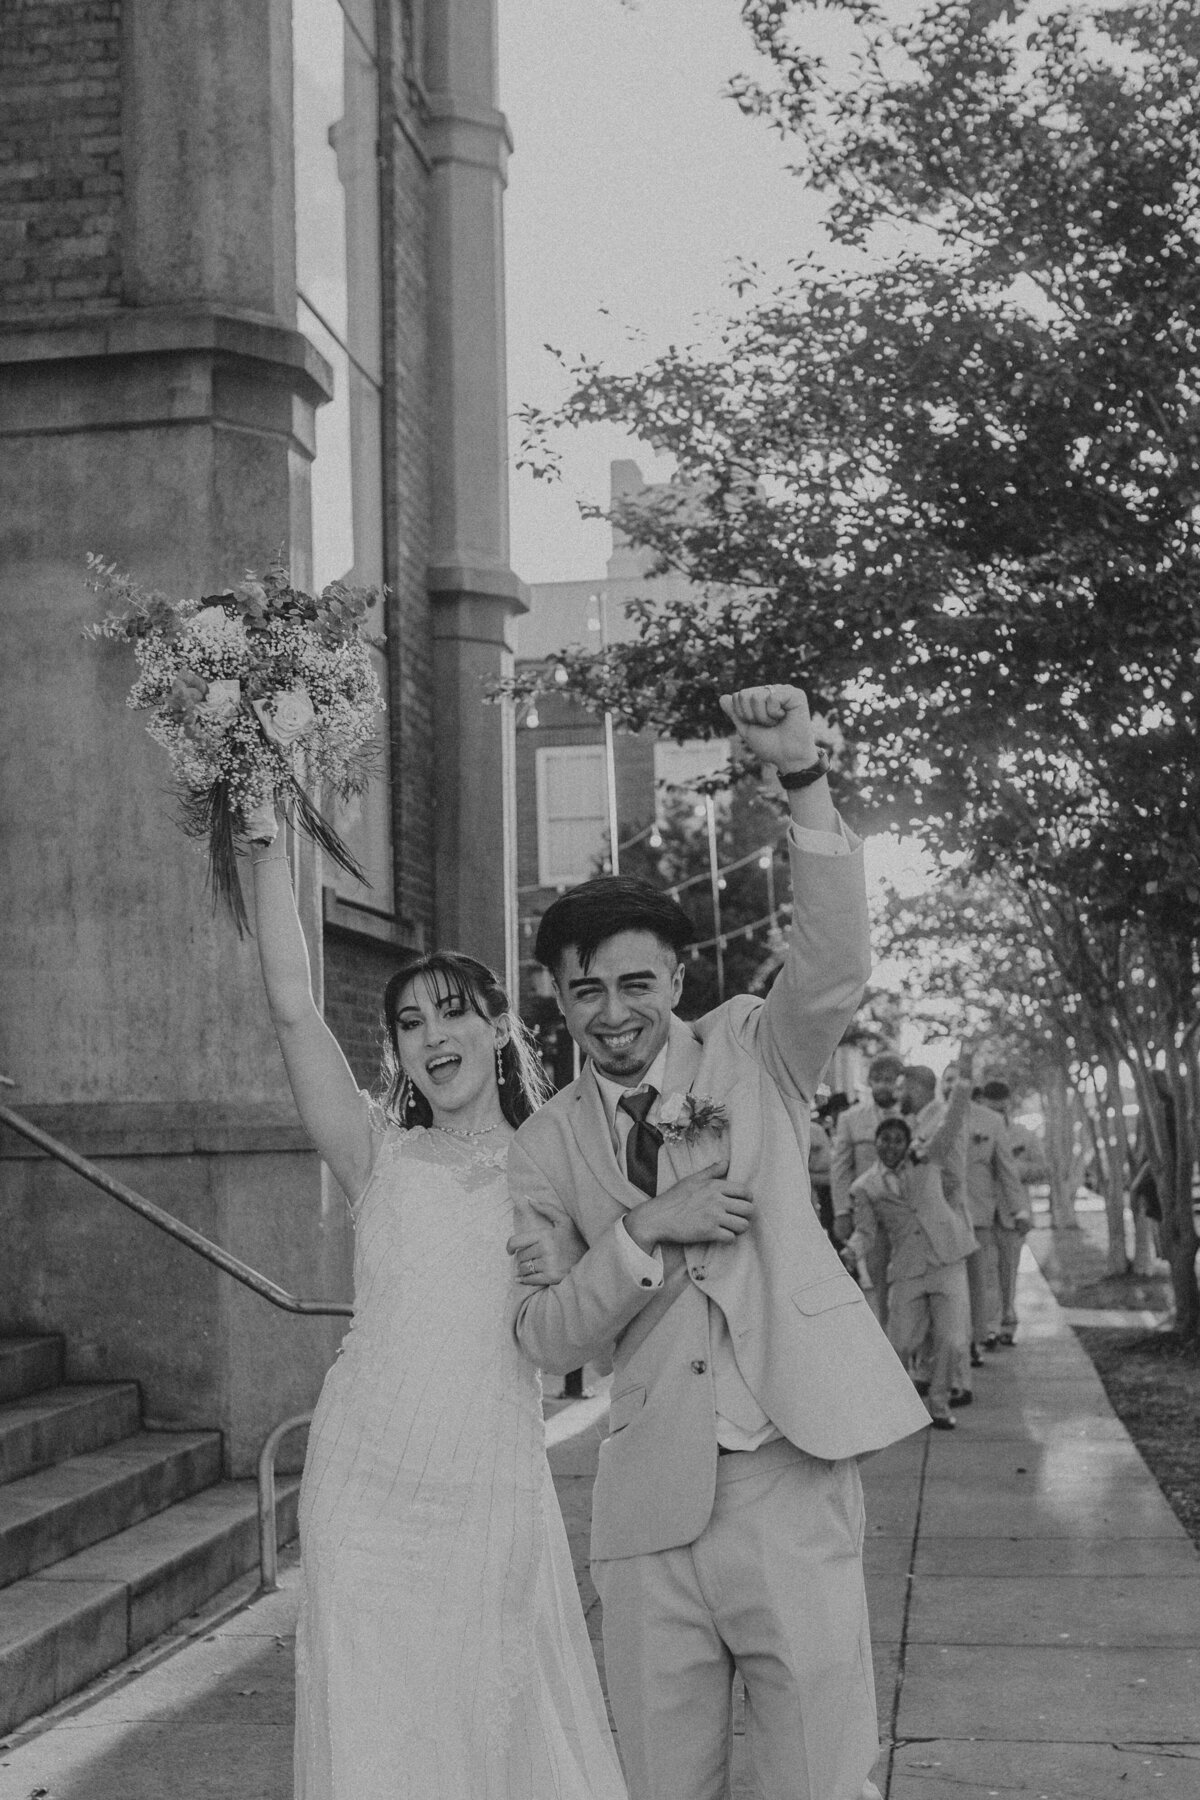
pixel 901 1659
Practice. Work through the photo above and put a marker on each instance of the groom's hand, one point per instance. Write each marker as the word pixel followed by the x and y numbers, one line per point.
pixel 705 1208
pixel 774 723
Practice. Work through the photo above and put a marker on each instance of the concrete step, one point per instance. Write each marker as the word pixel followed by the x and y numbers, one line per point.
pixel 28 1364
pixel 61 1628
pixel 61 1422
pixel 60 1510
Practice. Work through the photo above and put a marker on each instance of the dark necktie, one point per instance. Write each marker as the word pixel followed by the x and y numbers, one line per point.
pixel 641 1146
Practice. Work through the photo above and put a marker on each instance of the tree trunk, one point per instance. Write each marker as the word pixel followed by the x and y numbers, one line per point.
pixel 1180 1242
pixel 1116 1166
pixel 1145 1244
pixel 1179 1247
pixel 1167 1117
pixel 1062 1155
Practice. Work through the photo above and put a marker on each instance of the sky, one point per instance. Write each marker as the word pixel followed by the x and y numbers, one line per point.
pixel 634 188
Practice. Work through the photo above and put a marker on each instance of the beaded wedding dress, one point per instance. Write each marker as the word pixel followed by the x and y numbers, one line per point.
pixel 441 1652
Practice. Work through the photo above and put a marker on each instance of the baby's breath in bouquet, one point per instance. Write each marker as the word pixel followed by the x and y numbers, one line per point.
pixel 261 696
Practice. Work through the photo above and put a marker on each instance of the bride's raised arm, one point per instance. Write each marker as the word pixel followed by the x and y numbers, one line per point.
pixel 327 1097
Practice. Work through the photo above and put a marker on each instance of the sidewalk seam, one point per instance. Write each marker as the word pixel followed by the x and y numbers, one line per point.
pixel 910 1577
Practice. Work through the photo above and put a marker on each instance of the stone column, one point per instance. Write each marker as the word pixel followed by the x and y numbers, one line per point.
pixel 172 433
pixel 474 592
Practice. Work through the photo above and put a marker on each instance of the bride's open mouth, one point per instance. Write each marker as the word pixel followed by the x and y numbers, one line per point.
pixel 443 1068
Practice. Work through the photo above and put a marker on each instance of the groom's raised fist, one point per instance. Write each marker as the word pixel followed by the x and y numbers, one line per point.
pixel 774 722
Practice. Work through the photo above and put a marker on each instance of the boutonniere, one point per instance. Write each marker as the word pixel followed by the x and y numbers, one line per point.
pixel 682 1117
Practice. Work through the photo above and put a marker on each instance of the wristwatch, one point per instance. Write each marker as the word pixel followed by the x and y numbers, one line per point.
pixel 802 778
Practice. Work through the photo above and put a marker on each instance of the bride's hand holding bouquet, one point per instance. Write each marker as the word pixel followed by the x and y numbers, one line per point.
pixel 261 695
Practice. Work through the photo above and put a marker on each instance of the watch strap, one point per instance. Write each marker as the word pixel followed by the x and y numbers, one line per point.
pixel 802 778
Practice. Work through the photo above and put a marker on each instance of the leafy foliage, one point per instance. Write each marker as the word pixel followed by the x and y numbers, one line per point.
pixel 950 486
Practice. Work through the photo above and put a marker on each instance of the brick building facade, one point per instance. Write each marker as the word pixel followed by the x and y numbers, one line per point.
pixel 251 295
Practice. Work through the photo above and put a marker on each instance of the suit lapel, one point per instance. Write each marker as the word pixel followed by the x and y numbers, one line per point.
pixel 683 1066
pixel 589 1122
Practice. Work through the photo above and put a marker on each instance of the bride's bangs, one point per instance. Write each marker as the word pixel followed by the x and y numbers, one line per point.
pixel 445 980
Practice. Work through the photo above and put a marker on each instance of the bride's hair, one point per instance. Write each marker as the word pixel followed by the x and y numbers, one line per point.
pixel 523 1083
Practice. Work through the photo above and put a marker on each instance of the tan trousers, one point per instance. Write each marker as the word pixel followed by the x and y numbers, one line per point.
pixel 929 1323
pixel 773 1587
pixel 983 1276
pixel 1008 1257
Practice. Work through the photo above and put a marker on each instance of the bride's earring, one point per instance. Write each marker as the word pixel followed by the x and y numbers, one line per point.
pixel 499 1065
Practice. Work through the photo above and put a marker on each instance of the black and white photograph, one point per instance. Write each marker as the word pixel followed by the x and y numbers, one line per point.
pixel 600 917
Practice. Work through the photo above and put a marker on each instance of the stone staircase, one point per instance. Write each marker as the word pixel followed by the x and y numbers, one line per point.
pixel 109 1534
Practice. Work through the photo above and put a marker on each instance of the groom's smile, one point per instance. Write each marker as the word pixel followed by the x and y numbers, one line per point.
pixel 618 1009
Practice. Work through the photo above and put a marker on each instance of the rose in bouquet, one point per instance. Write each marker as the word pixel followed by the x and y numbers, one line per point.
pixel 261 696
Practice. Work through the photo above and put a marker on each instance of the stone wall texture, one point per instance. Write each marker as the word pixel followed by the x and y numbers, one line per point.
pixel 60 156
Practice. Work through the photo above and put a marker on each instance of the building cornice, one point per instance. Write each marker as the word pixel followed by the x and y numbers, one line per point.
pixel 462 131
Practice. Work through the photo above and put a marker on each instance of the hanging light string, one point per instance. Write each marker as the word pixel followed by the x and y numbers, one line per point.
pixel 725 869
pixel 741 931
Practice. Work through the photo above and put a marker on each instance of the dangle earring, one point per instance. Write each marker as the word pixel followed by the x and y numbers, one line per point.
pixel 499 1065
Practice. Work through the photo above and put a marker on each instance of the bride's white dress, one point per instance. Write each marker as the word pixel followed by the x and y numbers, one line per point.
pixel 441 1651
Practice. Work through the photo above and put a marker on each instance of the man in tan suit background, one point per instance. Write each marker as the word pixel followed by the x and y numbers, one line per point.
pixel 663 1218
pixel 854 1154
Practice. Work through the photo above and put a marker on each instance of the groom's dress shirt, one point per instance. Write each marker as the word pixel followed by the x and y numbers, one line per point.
pixel 741 1422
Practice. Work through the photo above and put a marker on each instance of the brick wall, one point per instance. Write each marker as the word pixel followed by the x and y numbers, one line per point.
pixel 60 156
pixel 356 973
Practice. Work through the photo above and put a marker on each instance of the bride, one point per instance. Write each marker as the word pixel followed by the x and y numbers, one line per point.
pixel 441 1652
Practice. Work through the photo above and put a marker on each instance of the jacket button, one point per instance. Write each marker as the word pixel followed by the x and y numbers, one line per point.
pixel 697 1274
pixel 699 1366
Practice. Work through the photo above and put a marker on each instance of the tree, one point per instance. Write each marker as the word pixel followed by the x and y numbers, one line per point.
pixel 970 945
pixel 954 493
pixel 750 828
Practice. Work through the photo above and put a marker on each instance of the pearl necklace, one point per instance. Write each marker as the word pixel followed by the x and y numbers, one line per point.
pixel 459 1132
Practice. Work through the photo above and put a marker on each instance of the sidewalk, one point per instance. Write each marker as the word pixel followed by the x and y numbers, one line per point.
pixel 1035 1606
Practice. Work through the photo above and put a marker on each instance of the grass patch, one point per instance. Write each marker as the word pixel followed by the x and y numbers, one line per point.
pixel 1153 1386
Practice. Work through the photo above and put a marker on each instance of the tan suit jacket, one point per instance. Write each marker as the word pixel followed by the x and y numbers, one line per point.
pixel 805 1340
pixel 854 1149
pixel 995 1192
pixel 925 1230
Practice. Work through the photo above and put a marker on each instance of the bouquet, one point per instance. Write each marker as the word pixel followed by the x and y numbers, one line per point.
pixel 260 696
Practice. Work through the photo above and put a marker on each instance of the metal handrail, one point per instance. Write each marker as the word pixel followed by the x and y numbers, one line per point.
pixel 165 1221
pixel 268 1547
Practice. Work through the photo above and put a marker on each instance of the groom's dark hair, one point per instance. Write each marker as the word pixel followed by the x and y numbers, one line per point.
pixel 588 915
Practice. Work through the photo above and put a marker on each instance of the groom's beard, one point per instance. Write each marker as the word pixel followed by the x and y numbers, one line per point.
pixel 623 1065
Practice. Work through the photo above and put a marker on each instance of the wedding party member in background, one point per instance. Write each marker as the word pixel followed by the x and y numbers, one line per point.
pixel 939 1128
pixel 995 1198
pixel 441 1650
pixel 929 1306
pixel 749 1373
pixel 1027 1160
pixel 820 1155
pixel 853 1155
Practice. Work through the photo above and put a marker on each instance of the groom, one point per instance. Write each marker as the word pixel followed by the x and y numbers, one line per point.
pixel 670 1183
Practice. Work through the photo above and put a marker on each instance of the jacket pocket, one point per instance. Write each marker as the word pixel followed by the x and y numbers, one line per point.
pixel 821 1296
pixel 623 1407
